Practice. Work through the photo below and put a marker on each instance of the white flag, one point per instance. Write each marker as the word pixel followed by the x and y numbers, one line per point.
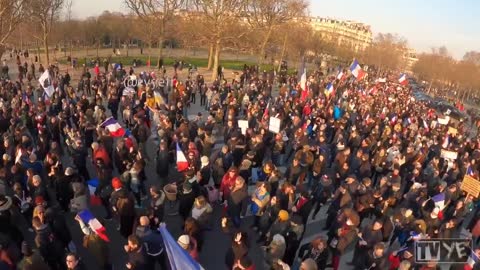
pixel 46 82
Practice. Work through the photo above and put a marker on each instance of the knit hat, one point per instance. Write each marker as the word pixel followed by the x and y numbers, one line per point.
pixel 184 241
pixel 283 215
pixel 117 183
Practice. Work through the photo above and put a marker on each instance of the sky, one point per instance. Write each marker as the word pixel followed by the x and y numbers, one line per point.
pixel 424 23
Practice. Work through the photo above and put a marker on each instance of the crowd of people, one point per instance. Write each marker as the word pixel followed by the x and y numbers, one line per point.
pixel 368 152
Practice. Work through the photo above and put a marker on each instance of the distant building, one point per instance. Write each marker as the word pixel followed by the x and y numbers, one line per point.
pixel 358 35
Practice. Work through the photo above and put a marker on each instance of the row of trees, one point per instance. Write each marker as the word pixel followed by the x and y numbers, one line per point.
pixel 273 30
pixel 440 69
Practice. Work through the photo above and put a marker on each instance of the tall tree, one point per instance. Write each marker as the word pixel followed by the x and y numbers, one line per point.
pixel 45 13
pixel 12 12
pixel 266 15
pixel 219 16
pixel 387 51
pixel 156 14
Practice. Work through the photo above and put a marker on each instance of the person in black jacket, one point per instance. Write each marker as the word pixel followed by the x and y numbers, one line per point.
pixel 49 246
pixel 152 241
pixel 137 255
pixel 316 250
pixel 163 163
pixel 74 263
pixel 79 155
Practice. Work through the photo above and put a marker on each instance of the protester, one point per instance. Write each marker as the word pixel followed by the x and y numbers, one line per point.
pixel 376 155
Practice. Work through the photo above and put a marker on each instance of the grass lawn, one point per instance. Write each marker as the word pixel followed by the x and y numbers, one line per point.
pixel 199 62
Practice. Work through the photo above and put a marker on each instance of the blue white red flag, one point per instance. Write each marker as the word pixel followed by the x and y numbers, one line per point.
pixel 357 70
pixel 113 127
pixel 439 200
pixel 88 218
pixel 403 79
pixel 182 163
pixel 329 89
pixel 340 75
pixel 446 140
pixel 472 260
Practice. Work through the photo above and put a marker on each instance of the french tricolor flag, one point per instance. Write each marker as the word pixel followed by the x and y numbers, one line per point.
pixel 340 75
pixel 92 187
pixel 357 70
pixel 439 200
pixel 470 171
pixel 403 79
pixel 472 260
pixel 113 127
pixel 329 89
pixel 182 163
pixel 446 141
pixel 88 218
pixel 266 111
pixel 304 85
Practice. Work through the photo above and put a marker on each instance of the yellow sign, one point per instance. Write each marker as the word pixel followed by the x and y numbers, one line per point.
pixel 471 186
pixel 452 131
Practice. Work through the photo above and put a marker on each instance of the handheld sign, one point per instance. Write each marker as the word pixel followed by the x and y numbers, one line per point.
pixel 471 186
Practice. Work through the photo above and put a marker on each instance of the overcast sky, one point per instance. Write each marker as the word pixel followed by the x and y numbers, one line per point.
pixel 424 23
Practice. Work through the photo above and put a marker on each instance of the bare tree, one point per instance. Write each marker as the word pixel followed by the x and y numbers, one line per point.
pixel 157 14
pixel 266 15
pixel 220 18
pixel 387 51
pixel 12 12
pixel 45 13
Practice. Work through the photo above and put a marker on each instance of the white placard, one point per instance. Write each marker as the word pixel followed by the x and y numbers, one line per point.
pixel 444 121
pixel 274 125
pixel 448 154
pixel 243 125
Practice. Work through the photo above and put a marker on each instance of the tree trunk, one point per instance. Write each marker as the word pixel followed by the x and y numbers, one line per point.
pixel 149 64
pixel 160 51
pixel 2 50
pixel 45 46
pixel 210 57
pixel 264 45
pixel 128 46
pixel 216 59
pixel 284 48
pixel 98 46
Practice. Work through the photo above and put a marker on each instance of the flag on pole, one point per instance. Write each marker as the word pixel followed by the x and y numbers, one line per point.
pixel 266 111
pixel 329 89
pixel 403 79
pixel 439 200
pixel 46 82
pixel 178 258
pixel 88 218
pixel 303 81
pixel 113 127
pixel 357 70
pixel 340 75
pixel 182 163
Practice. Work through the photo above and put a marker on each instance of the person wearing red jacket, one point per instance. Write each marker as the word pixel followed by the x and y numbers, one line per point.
pixel 99 152
pixel 228 182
